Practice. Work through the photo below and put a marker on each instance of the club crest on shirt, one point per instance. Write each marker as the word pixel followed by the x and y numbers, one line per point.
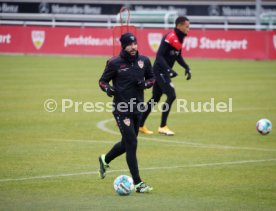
pixel 127 121
pixel 141 64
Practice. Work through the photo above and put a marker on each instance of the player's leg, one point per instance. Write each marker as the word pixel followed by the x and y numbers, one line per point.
pixel 117 150
pixel 136 122
pixel 105 159
pixel 130 140
pixel 171 96
pixel 140 187
pixel 156 95
pixel 169 90
pixel 129 129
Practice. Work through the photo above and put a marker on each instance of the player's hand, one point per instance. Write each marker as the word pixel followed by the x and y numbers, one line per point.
pixel 142 84
pixel 110 91
pixel 172 73
pixel 188 74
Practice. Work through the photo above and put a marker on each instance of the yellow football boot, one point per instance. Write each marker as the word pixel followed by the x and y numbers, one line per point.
pixel 165 130
pixel 145 130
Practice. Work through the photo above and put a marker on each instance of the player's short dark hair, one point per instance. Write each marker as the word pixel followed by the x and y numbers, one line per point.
pixel 181 20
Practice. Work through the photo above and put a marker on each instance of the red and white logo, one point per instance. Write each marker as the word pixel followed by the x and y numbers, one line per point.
pixel 127 121
pixel 274 41
pixel 5 38
pixel 154 40
pixel 38 38
pixel 141 64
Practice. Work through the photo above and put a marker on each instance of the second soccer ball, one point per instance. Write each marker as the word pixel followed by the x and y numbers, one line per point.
pixel 264 126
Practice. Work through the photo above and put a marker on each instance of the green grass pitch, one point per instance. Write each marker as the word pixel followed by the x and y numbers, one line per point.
pixel 216 161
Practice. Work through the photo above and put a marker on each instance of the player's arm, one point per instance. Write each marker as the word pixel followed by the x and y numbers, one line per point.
pixel 106 77
pixel 182 63
pixel 160 57
pixel 162 61
pixel 149 76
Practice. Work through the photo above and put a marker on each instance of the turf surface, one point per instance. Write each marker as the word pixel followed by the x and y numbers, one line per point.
pixel 216 161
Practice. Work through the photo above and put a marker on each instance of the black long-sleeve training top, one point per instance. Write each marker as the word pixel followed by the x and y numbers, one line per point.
pixel 170 51
pixel 126 72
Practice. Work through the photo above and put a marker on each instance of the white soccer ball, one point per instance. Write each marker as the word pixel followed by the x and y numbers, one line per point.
pixel 264 126
pixel 123 185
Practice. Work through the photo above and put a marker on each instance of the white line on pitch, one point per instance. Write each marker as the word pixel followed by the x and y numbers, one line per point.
pixel 102 126
pixel 143 169
pixel 83 141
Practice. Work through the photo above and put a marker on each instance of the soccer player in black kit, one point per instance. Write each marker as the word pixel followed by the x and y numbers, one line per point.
pixel 130 74
pixel 168 52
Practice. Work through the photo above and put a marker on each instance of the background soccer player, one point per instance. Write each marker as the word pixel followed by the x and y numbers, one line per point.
pixel 130 73
pixel 168 52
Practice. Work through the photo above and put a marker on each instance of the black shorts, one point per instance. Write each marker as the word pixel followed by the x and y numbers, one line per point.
pixel 163 85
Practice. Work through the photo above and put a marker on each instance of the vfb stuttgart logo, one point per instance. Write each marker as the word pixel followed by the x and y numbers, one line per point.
pixel 154 40
pixel 38 38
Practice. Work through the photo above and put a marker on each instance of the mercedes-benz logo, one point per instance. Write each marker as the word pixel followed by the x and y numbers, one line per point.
pixel 213 10
pixel 44 7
